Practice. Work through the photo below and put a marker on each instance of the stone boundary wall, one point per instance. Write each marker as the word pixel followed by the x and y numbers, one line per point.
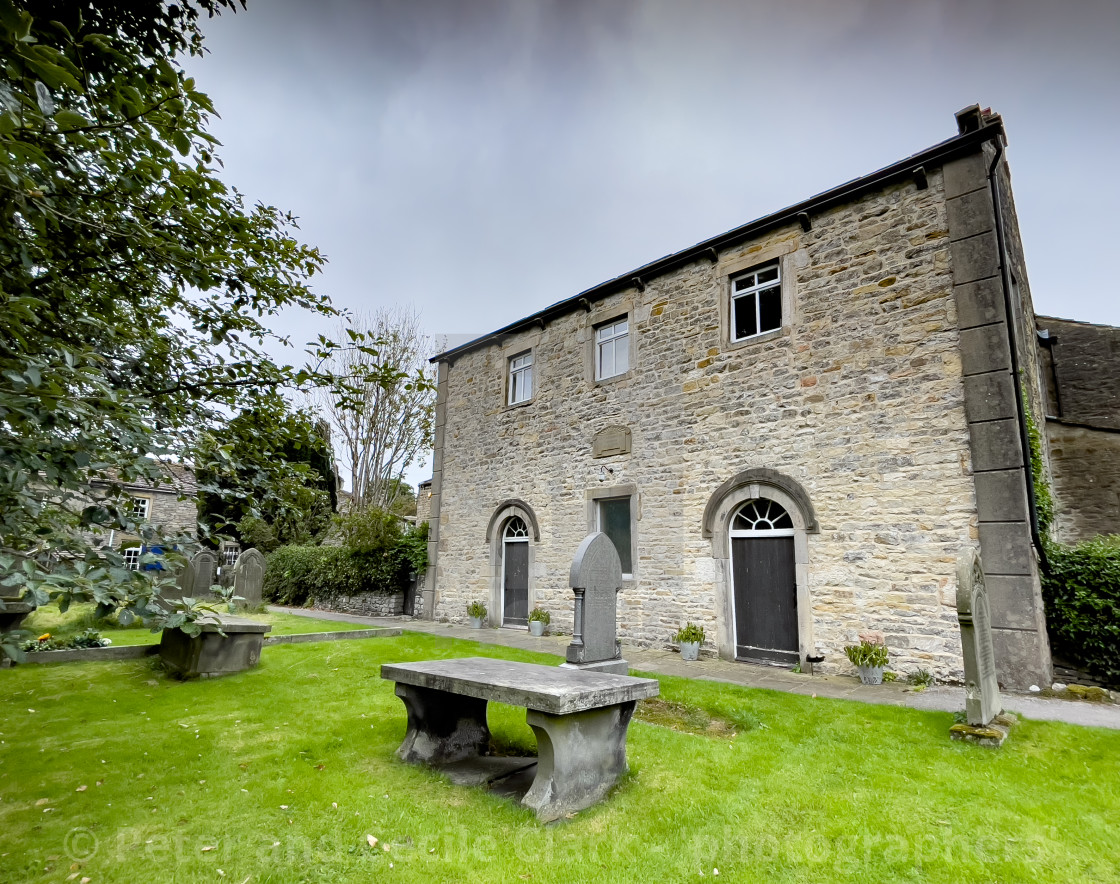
pixel 859 399
pixel 367 604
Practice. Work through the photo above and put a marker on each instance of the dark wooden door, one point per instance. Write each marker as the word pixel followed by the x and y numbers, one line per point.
pixel 765 599
pixel 515 585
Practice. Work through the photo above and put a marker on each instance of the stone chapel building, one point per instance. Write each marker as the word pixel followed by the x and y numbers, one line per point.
pixel 791 431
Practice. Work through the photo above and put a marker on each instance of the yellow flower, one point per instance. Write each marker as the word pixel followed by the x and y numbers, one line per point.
pixel 44 636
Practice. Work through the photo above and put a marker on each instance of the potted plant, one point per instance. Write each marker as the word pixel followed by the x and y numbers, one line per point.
pixel 869 658
pixel 539 618
pixel 690 636
pixel 477 612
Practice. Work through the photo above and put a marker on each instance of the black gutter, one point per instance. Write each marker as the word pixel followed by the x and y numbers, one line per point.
pixel 1013 341
pixel 911 168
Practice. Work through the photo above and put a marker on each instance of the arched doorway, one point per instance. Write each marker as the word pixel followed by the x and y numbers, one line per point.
pixel 764 583
pixel 515 573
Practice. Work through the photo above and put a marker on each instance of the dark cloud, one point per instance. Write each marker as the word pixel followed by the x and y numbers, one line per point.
pixel 482 159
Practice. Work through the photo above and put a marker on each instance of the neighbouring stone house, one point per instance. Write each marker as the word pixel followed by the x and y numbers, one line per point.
pixel 1081 373
pixel 791 431
pixel 172 504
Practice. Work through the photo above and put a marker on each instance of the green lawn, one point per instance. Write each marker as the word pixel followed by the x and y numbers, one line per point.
pixel 281 773
pixel 79 617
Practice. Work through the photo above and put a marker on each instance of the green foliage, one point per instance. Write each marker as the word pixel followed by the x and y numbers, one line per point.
pixel 1081 593
pixel 476 610
pixel 867 654
pixel 1043 498
pixel 369 530
pixel 539 614
pixel 920 679
pixel 89 638
pixel 889 677
pixel 135 287
pixel 255 533
pixel 690 632
pixel 268 445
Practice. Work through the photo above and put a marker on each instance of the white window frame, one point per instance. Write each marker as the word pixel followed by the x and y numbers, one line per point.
pixel 231 552
pixel 141 507
pixel 131 557
pixel 520 378
pixel 756 288
pixel 612 341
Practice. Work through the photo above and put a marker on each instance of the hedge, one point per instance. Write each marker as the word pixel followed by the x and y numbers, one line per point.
pixel 1082 597
pixel 297 574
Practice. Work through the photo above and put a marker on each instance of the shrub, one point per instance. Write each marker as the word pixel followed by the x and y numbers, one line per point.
pixel 539 613
pixel 1082 597
pixel 476 610
pixel 690 632
pixel 378 557
pixel 867 654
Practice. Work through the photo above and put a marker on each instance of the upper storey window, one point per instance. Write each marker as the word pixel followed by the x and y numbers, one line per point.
pixel 521 378
pixel 612 349
pixel 756 301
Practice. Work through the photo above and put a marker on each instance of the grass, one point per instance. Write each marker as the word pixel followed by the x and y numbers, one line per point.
pixel 279 774
pixel 80 617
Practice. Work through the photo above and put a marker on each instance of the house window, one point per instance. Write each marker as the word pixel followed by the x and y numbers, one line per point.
pixel 612 349
pixel 140 508
pixel 132 558
pixel 230 553
pixel 756 301
pixel 614 521
pixel 521 378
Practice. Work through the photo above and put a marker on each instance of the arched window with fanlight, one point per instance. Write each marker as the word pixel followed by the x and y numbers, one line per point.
pixel 515 572
pixel 763 576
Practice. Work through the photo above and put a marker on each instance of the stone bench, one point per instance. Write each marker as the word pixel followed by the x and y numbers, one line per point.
pixel 580 720
pixel 211 653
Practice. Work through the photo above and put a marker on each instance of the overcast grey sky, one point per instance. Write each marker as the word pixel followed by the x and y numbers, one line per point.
pixel 482 159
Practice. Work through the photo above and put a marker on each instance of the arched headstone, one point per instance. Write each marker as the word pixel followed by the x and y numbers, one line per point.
pixel 248 577
pixel 982 701
pixel 205 564
pixel 596 578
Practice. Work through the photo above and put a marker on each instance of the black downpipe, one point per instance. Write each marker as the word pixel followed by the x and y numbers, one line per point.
pixel 1013 341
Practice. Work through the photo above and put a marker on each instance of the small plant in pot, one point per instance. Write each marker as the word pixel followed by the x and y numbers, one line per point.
pixel 690 636
pixel 477 612
pixel 869 658
pixel 539 618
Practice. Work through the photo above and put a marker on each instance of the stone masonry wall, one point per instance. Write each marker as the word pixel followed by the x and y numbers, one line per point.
pixel 1086 472
pixel 859 398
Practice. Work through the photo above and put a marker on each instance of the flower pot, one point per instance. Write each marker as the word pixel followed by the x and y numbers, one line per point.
pixel 476 623
pixel 690 650
pixel 536 627
pixel 870 674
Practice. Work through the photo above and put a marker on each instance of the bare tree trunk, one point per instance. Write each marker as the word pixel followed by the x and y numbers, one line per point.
pixel 390 426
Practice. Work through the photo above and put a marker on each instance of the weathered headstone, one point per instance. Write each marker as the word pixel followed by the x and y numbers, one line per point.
pixel 596 578
pixel 248 577
pixel 982 703
pixel 186 578
pixel 205 565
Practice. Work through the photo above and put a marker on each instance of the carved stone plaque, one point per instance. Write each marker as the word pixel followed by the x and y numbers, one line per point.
pixel 982 700
pixel 610 441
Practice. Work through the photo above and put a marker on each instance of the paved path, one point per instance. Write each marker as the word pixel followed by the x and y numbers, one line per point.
pixel 946 698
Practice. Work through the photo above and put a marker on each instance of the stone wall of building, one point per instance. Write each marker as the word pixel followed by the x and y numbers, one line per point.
pixel 423 502
pixel 858 398
pixel 1081 370
pixel 1085 464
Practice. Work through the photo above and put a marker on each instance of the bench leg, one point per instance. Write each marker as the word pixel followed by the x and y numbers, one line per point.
pixel 580 757
pixel 442 727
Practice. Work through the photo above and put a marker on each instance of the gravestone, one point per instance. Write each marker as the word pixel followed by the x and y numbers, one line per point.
pixel 596 578
pixel 248 577
pixel 982 703
pixel 205 564
pixel 186 579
